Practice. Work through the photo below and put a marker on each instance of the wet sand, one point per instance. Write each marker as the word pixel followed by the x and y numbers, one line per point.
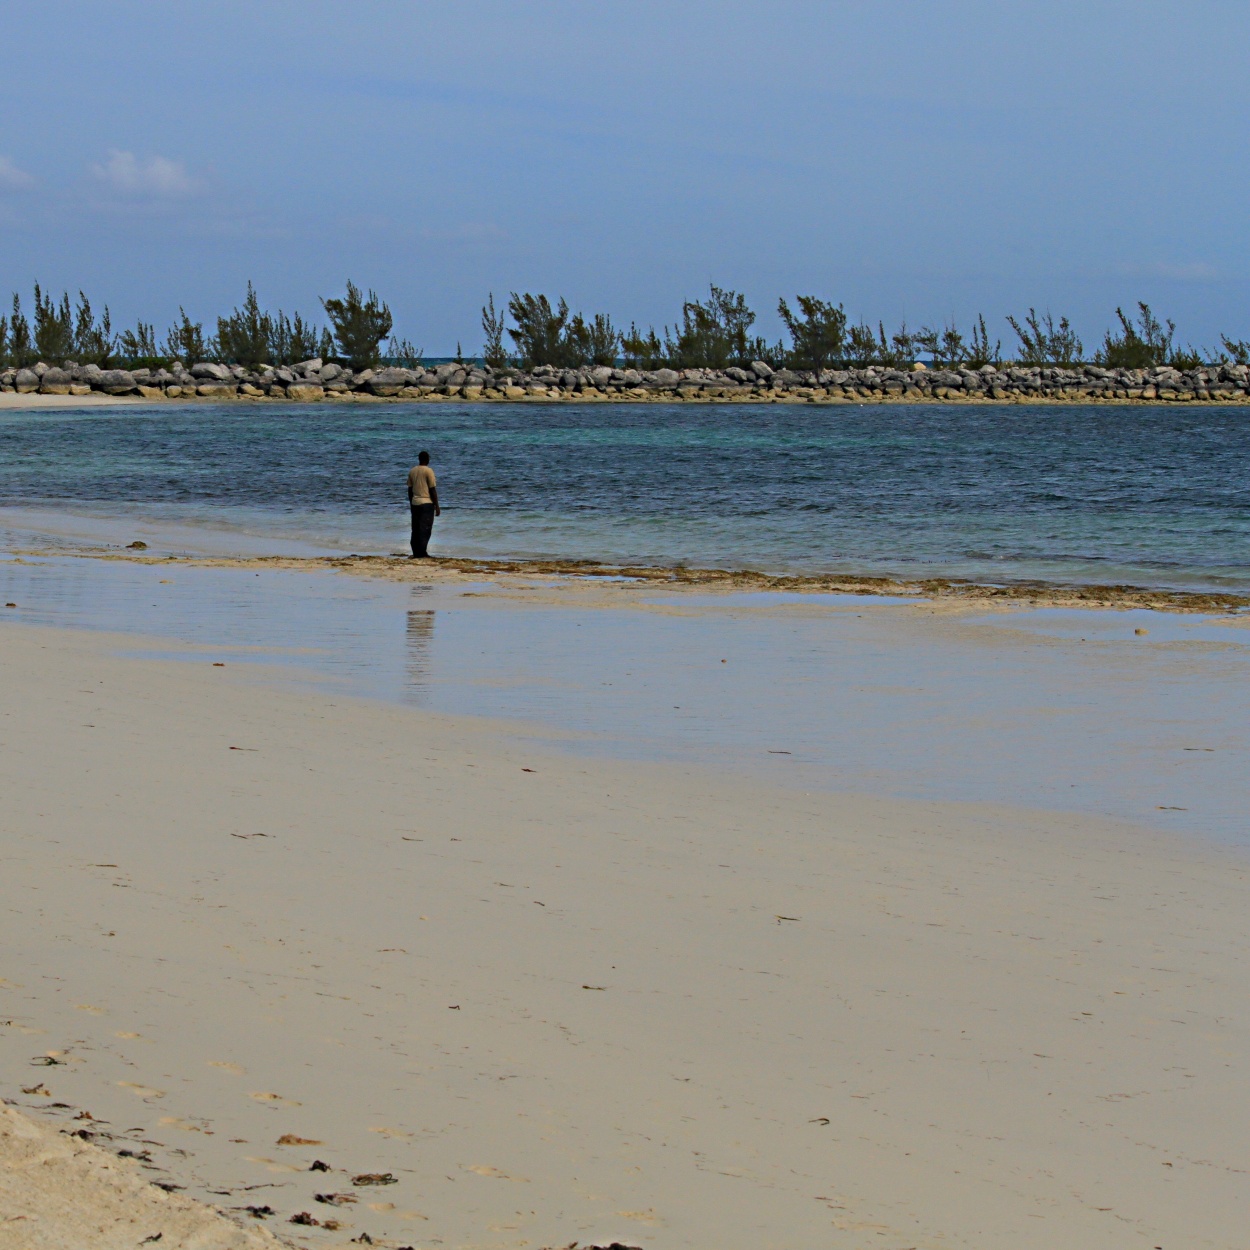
pixel 567 999
pixel 632 578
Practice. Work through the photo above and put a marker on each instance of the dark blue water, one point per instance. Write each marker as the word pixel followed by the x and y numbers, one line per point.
pixel 1151 495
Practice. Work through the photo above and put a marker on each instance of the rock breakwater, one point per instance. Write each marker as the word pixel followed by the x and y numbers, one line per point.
pixel 319 380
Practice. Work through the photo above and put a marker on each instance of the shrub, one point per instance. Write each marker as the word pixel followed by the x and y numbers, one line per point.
pixel 712 335
pixel 539 334
pixel 1238 350
pixel 494 354
pixel 244 336
pixel 138 345
pixel 775 354
pixel 980 352
pixel 861 345
pixel 360 325
pixel 54 327
pixel 402 353
pixel 592 342
pixel 1042 343
pixel 21 349
pixel 818 336
pixel 62 333
pixel 865 347
pixel 948 346
pixel 185 341
pixel 642 351
pixel 93 340
pixel 1140 346
pixel 292 339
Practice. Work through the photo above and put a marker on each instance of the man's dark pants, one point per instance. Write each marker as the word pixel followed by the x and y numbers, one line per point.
pixel 422 527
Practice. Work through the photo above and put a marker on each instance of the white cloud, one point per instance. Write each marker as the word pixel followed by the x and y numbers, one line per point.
pixel 12 178
pixel 158 175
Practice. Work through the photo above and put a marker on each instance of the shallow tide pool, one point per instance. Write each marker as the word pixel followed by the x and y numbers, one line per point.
pixel 1053 709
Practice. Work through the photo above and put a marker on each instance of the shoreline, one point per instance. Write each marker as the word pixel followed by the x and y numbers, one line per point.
pixel 13 401
pixel 372 930
pixel 951 591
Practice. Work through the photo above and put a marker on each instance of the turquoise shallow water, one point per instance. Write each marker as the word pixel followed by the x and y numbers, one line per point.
pixel 1156 496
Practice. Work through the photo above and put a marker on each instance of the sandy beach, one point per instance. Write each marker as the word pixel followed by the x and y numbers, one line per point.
pixel 34 401
pixel 249 927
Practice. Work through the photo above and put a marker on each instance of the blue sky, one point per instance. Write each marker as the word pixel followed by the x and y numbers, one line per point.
pixel 909 159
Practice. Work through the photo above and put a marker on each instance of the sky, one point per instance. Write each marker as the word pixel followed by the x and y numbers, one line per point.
pixel 916 160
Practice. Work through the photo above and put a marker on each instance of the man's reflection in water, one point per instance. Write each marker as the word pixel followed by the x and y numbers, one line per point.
pixel 420 645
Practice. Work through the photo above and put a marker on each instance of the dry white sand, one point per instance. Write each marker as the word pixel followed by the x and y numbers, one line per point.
pixel 57 1190
pixel 566 1000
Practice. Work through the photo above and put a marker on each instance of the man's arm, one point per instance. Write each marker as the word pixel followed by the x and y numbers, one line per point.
pixel 410 489
pixel 434 500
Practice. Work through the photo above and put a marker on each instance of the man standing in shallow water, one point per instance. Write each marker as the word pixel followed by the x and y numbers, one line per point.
pixel 423 503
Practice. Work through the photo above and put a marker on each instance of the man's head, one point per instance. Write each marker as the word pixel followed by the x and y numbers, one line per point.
pixel 423 457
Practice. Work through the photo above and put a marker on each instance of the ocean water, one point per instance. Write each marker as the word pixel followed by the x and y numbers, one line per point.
pixel 1154 496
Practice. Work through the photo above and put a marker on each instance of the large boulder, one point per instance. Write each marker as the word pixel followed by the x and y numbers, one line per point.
pixel 761 370
pixel 666 378
pixel 305 392
pixel 56 381
pixel 115 382
pixel 216 390
pixel 211 372
pixel 26 381
pixel 390 381
pixel 601 375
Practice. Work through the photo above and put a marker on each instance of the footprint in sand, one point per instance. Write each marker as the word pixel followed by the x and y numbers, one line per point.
pixel 233 1068
pixel 644 1217
pixel 392 1132
pixel 271 1164
pixel 173 1121
pixel 290 1139
pixel 141 1091
pixel 276 1099
pixel 482 1170
pixel 128 1037
pixel 95 1011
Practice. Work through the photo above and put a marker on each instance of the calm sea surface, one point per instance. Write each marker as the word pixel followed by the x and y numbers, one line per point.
pixel 1153 496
